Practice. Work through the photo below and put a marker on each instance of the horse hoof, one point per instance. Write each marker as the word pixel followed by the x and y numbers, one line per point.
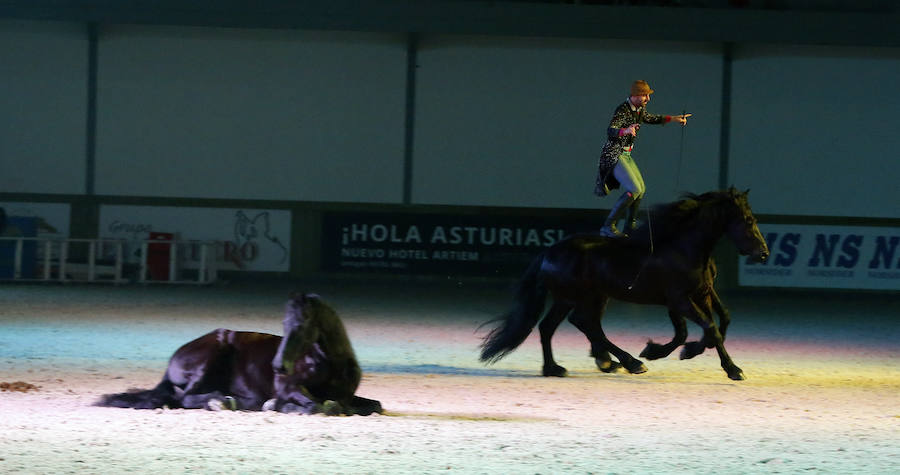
pixel 291 408
pixel 691 350
pixel 555 370
pixel 332 408
pixel 636 367
pixel 737 375
pixel 608 366
pixel 270 405
pixel 653 351
pixel 228 403
pixel 368 409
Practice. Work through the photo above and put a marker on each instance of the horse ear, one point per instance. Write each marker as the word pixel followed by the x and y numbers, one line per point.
pixel 311 296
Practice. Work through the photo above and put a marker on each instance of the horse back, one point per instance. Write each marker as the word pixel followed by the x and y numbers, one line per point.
pixel 223 356
pixel 589 265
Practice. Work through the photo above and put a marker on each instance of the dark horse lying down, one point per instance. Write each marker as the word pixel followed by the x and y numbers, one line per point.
pixel 666 263
pixel 312 369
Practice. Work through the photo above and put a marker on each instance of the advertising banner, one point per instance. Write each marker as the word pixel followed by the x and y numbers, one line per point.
pixel 30 220
pixel 437 244
pixel 52 218
pixel 250 239
pixel 846 257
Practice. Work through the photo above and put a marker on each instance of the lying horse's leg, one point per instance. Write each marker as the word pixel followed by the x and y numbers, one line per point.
pixel 547 328
pixel 295 398
pixel 214 401
pixel 586 318
pixel 712 338
pixel 654 351
pixel 361 406
pixel 197 368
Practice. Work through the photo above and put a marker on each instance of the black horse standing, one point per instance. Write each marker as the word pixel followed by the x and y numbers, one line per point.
pixel 666 261
pixel 312 369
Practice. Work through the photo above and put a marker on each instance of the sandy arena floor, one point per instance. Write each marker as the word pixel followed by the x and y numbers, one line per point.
pixel 822 394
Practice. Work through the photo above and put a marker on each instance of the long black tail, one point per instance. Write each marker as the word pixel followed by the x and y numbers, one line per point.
pixel 162 395
pixel 530 298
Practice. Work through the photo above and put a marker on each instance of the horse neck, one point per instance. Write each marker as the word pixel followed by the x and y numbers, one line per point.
pixel 699 241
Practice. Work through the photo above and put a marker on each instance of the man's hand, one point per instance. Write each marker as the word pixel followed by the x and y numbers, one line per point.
pixel 631 129
pixel 681 119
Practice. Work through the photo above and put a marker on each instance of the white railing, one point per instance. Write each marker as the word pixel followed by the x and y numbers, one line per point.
pixel 106 261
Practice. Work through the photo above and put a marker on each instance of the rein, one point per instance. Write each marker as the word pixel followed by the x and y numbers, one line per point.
pixel 649 221
pixel 680 154
pixel 644 264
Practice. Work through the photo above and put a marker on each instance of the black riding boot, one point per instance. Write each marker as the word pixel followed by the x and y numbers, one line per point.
pixel 609 227
pixel 631 216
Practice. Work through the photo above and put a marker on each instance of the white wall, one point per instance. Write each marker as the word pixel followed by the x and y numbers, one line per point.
pixel 43 98
pixel 217 113
pixel 520 122
pixel 814 130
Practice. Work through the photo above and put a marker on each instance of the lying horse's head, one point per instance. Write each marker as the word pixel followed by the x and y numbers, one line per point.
pixel 301 332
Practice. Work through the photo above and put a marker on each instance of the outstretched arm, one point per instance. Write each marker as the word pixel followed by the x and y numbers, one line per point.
pixel 665 119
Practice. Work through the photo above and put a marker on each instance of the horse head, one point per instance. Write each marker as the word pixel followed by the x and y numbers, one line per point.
pixel 301 332
pixel 742 228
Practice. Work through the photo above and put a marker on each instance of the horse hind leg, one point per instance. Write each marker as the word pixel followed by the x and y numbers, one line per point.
pixel 547 328
pixel 604 361
pixel 600 344
pixel 599 351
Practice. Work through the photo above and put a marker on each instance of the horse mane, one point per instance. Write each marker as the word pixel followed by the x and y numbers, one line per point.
pixel 332 333
pixel 668 220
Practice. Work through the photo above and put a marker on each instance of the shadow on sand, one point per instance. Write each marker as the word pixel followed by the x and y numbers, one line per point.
pixel 448 370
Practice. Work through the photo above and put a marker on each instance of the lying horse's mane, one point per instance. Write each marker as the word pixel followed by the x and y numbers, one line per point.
pixel 668 220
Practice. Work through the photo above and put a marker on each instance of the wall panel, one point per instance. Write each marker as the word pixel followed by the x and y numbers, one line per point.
pixel 43 95
pixel 251 114
pixel 520 122
pixel 814 130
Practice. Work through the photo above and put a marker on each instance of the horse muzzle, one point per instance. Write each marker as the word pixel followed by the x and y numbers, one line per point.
pixel 761 255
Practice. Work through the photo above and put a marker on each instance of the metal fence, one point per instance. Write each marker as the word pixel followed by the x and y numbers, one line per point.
pixel 114 261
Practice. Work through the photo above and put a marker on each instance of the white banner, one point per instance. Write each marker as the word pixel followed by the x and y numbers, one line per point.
pixel 845 257
pixel 251 239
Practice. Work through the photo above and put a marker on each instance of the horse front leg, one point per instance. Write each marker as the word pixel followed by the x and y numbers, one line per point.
pixel 547 328
pixel 712 338
pixel 724 315
pixel 361 406
pixel 654 351
pixel 214 401
pixel 292 397
pixel 702 316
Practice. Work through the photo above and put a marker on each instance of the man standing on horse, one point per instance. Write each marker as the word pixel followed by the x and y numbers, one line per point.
pixel 616 167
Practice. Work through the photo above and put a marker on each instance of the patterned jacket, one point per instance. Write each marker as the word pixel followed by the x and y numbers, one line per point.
pixel 616 144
